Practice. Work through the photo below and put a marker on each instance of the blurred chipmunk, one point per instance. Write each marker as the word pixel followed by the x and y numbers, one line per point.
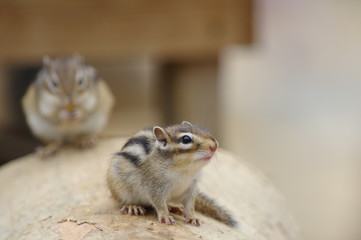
pixel 67 103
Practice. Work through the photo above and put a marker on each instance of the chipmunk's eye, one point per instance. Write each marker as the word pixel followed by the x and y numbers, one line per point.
pixel 53 83
pixel 54 86
pixel 186 139
pixel 81 80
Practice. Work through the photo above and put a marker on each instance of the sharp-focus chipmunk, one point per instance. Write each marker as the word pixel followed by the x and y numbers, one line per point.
pixel 160 168
pixel 67 103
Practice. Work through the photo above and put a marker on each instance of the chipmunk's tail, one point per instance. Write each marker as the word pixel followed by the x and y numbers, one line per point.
pixel 210 208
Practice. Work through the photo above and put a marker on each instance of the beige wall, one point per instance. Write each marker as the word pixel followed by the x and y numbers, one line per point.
pixel 291 105
pixel 135 86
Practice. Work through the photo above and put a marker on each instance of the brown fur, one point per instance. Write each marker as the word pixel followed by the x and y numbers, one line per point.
pixel 210 208
pixel 167 175
pixel 67 103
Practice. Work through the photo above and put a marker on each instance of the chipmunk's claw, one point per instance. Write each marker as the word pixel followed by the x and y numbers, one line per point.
pixel 47 151
pixel 194 221
pixel 86 143
pixel 167 220
pixel 134 210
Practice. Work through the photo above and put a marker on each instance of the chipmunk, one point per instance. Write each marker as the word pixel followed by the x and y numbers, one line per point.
pixel 160 168
pixel 67 103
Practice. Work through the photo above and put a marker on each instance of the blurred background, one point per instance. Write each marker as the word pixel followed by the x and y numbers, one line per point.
pixel 277 82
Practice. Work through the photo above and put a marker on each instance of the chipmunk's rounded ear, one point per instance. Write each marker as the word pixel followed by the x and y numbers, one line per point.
pixel 186 123
pixel 91 72
pixel 161 135
pixel 47 61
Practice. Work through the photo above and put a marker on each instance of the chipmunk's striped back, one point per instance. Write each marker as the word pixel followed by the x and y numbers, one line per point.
pixel 141 145
pixel 138 148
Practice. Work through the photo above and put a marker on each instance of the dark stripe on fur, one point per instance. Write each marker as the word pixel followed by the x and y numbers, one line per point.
pixel 180 151
pixel 142 140
pixel 134 159
pixel 210 208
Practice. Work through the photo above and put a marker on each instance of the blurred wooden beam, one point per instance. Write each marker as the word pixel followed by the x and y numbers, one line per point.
pixel 187 29
pixel 190 93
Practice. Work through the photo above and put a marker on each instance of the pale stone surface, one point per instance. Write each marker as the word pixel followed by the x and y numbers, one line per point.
pixel 66 197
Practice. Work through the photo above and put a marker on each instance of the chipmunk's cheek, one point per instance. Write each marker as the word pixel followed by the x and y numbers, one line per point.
pixel 48 104
pixel 88 101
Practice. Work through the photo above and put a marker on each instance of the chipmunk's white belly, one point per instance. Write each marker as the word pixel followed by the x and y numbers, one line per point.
pixel 67 132
pixel 182 185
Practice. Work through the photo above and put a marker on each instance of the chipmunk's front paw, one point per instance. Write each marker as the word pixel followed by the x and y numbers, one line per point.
pixel 47 151
pixel 86 143
pixel 167 220
pixel 133 210
pixel 42 152
pixel 194 221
